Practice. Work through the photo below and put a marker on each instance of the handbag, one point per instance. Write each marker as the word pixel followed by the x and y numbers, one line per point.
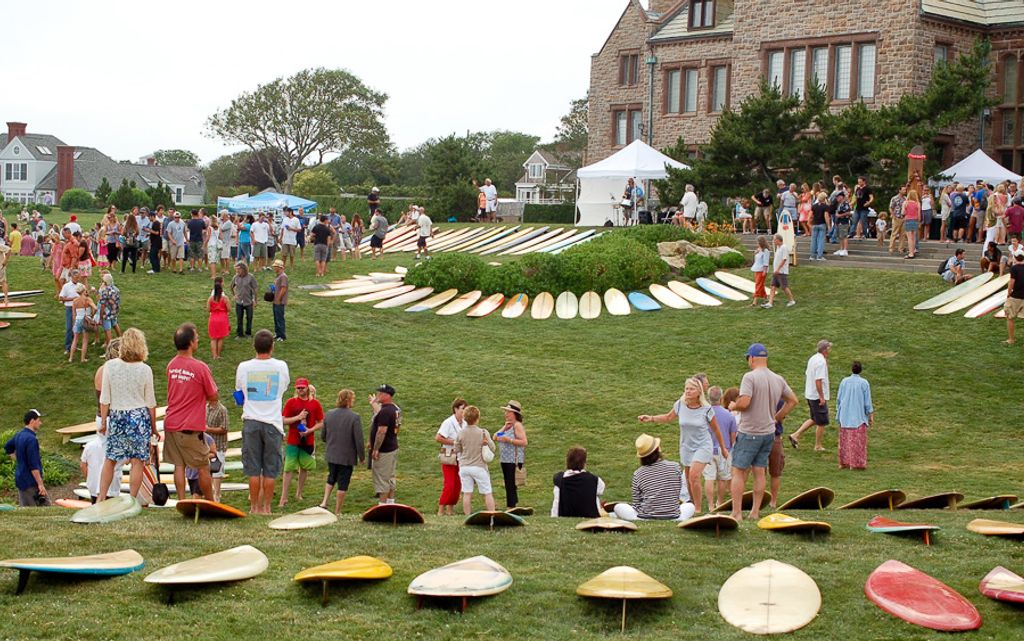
pixel 160 493
pixel 447 459
pixel 520 471
pixel 626 203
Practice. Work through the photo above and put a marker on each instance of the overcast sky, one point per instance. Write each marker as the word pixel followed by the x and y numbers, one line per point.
pixel 131 77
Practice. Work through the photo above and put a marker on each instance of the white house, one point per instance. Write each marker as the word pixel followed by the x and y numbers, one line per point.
pixel 40 168
pixel 547 179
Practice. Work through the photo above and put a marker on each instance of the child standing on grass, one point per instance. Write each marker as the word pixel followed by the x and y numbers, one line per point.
pixel 780 273
pixel 880 227
pixel 469 446
pixel 760 269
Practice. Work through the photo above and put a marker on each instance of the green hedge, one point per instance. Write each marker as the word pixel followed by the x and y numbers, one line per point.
pixel 559 214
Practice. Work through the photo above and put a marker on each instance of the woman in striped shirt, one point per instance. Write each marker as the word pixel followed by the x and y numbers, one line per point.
pixel 656 486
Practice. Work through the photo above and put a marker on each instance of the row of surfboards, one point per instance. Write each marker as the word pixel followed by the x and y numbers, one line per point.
pixel 768 597
pixel 980 295
pixel 387 291
pixel 9 311
pixel 489 240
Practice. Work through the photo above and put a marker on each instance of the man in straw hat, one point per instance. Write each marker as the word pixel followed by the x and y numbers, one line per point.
pixel 656 486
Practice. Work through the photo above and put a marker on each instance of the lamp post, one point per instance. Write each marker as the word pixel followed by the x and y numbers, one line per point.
pixel 651 60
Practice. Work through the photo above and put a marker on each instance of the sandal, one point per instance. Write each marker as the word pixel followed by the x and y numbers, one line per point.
pixel 793 441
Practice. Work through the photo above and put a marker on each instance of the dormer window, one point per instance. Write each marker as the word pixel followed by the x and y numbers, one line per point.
pixel 702 14
pixel 536 170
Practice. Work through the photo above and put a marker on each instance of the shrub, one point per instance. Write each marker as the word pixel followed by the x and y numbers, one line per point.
pixel 461 271
pixel 731 260
pixel 697 266
pixel 76 200
pixel 716 239
pixel 611 261
pixel 559 214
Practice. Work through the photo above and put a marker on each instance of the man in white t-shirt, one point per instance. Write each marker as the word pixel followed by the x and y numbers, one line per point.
pixel 68 294
pixel 291 227
pixel 780 273
pixel 490 193
pixel 259 233
pixel 425 230
pixel 689 204
pixel 93 456
pixel 817 395
pixel 260 383
pixel 227 239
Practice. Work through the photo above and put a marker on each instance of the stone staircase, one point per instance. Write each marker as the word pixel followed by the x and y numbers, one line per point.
pixel 867 254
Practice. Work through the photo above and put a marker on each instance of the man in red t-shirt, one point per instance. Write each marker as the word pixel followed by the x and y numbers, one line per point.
pixel 302 409
pixel 189 387
pixel 1015 217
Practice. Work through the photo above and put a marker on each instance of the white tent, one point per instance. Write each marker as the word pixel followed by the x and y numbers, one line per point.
pixel 977 166
pixel 601 184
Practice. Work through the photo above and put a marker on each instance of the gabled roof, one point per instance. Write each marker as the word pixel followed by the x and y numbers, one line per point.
pixel 36 145
pixel 631 4
pixel 92 166
pixel 986 13
pixel 675 24
pixel 549 158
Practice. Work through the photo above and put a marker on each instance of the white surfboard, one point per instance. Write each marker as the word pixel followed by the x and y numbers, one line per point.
pixel 616 302
pixel 309 518
pixel 543 306
pixel 460 304
pixel 516 306
pixel 693 294
pixel 530 244
pixel 405 299
pixel 565 242
pixel 357 290
pixel 434 301
pixel 473 577
pixel 668 298
pixel 974 296
pixel 551 240
pixel 955 292
pixel 769 598
pixel 993 302
pixel 566 305
pixel 108 511
pixel 462 243
pixel 382 295
pixel 720 290
pixel 236 564
pixel 736 281
pixel 590 306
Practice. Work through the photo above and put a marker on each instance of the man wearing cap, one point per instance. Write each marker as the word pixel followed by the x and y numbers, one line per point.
pixel 73 224
pixel 817 394
pixel 760 391
pixel 384 443
pixel 373 200
pixel 280 299
pixel 260 384
pixel 303 415
pixel 23 447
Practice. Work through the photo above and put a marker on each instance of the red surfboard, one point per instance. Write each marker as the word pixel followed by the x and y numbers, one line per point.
pixel 1002 585
pixel 917 598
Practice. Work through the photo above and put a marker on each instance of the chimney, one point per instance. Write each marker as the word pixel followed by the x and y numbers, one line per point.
pixel 151 161
pixel 65 169
pixel 15 129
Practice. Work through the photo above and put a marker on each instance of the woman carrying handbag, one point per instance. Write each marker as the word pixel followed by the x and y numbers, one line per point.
pixel 446 436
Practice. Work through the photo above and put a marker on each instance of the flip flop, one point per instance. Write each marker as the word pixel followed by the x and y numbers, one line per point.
pixel 792 441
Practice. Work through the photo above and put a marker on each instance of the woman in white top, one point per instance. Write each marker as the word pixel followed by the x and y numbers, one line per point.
pixel 470 445
pixel 446 436
pixel 127 410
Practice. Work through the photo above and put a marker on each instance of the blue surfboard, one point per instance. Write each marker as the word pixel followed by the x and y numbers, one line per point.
pixel 642 302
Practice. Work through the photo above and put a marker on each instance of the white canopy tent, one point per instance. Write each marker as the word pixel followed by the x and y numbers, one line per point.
pixel 600 185
pixel 977 166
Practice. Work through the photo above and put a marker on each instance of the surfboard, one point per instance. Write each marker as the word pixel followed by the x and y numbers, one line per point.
pixel 393 513
pixel 108 511
pixel 989 527
pixel 90 426
pixel 501 242
pixel 917 598
pixel 769 597
pixel 692 294
pixel 401 270
pixel 353 568
pixel 4 507
pixel 590 305
pixel 460 304
pixel 581 237
pixel 668 298
pixel 736 281
pixel 566 305
pixel 784 523
pixel 382 295
pixel 513 241
pixel 460 244
pixel 883 499
pixel 615 302
pixel 434 301
pixel 384 276
pixel 487 306
pixel 73 504
pixel 716 522
pixel 990 304
pixel 543 306
pixel 933 502
pixel 746 503
pixel 605 524
pixel 441 243
pixel 304 520
pixel 4 324
pixel 516 306
pixel 539 247
pixel 883 525
pixel 405 299
pixel 487 240
pixel 720 290
pixel 576 241
pixel 237 564
pixel 24 293
pixel 1000 314
pixel 626 584
pixel 642 302
pixel 473 577
pixel 817 498
pixel 999 502
pixel 5 315
pixel 491 520
pixel 1002 585
pixel 15 305
pixel 787 230
pixel 533 242
pixel 520 510
pixel 109 564
pixel 356 290
pixel 974 296
pixel 954 292
pixel 194 508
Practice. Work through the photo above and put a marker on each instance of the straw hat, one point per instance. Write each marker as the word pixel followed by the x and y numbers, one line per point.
pixel 513 406
pixel 646 444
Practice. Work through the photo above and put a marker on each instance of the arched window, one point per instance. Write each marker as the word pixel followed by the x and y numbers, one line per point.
pixel 1009 80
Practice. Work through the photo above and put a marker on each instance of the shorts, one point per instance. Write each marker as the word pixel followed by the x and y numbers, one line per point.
pixel 300 239
pixel 346 243
pixel 926 217
pixel 109 323
pixel 1014 307
pixel 261 449
pixel 752 450
pixel 492 206
pixel 30 497
pixel 195 250
pixel 288 250
pixel 339 475
pixel 259 250
pixel 720 469
pixel 777 459
pixel 478 476
pixel 221 458
pixel 296 458
pixel 482 212
pixel 176 252
pixel 780 280
pixel 819 412
pixel 910 225
pixel 376 242
pixel 193 487
pixel 960 222
pixel 842 231
pixel 384 472
pixel 188 448
pixel 79 326
pixel 225 252
pixel 85 269
pixel 421 242
pixel 65 273
pixel 320 253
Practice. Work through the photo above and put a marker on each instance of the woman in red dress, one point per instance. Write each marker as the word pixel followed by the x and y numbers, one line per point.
pixel 219 326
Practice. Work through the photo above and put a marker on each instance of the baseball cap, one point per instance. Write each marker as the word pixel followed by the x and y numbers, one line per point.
pixel 757 350
pixel 32 415
pixel 386 389
pixel 302 382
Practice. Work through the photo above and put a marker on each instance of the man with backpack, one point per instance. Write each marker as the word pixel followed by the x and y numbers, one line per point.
pixel 952 270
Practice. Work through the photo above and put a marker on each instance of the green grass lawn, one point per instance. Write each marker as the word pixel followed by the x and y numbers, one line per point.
pixel 946 393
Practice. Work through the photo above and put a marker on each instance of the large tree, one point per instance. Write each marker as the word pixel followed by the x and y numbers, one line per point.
pixel 315 182
pixel 176 158
pixel 572 133
pixel 452 163
pixel 502 154
pixel 303 118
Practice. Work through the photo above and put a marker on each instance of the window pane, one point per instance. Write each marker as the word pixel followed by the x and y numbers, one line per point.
pixel 797 69
pixel 718 90
pixel 1009 126
pixel 866 70
pixel 635 126
pixel 775 69
pixel 1010 80
pixel 941 54
pixel 691 91
pixel 843 60
pixel 620 127
pixel 674 90
pixel 819 66
pixel 698 14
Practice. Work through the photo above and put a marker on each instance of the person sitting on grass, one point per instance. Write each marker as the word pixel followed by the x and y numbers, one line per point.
pixel 656 486
pixel 577 492
pixel 470 445
pixel 954 268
